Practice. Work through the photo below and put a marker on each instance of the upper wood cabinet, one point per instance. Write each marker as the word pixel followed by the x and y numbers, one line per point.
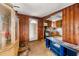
pixel 59 24
pixel 70 24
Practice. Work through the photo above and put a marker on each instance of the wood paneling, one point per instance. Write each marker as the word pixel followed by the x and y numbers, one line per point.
pixel 70 24
pixel 40 29
pixel 23 28
pixel 48 22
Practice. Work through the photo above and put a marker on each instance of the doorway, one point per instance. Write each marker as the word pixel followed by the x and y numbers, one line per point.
pixel 33 29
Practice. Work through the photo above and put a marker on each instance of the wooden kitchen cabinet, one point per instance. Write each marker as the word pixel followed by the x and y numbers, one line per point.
pixel 70 24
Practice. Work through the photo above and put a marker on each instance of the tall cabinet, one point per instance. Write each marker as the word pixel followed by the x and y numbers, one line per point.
pixel 70 24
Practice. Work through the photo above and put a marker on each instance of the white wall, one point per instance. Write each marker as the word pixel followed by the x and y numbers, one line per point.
pixel 33 29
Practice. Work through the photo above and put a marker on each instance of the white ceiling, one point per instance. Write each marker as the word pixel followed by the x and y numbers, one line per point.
pixel 39 9
pixel 56 17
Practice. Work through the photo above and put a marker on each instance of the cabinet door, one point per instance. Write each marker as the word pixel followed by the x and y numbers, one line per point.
pixel 64 25
pixel 70 24
pixel 76 22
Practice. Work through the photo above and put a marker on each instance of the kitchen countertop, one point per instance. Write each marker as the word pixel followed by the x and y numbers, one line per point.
pixel 65 44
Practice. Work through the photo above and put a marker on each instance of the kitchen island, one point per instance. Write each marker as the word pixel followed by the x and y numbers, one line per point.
pixel 61 48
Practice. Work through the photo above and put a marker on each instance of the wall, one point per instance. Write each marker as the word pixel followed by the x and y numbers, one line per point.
pixel 40 29
pixel 48 22
pixel 23 28
pixel 24 36
pixel 70 24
